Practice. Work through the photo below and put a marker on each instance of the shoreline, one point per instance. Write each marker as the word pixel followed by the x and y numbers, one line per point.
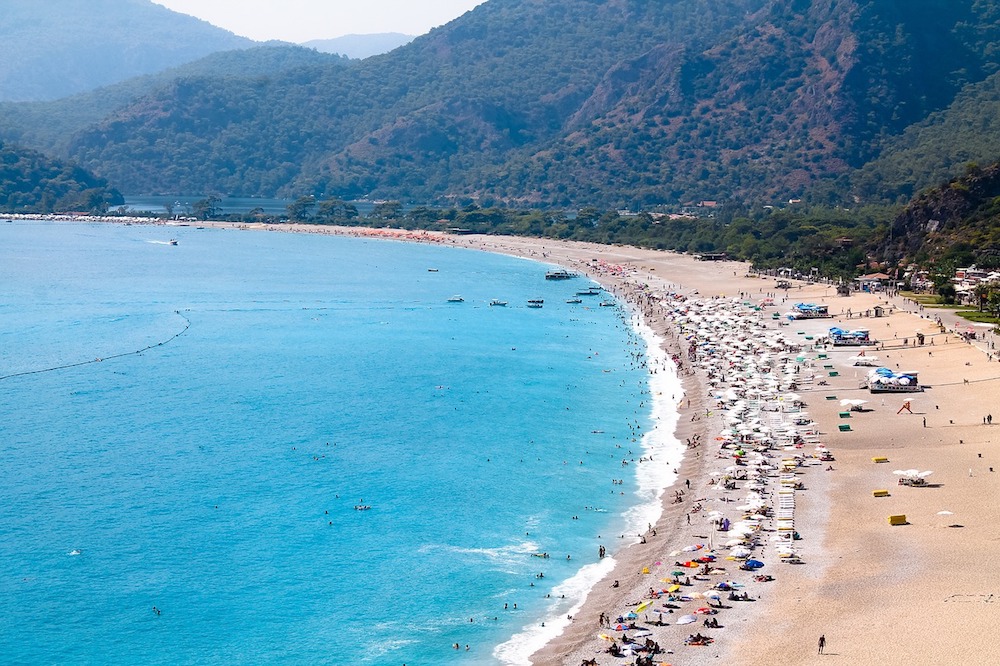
pixel 931 572
pixel 659 441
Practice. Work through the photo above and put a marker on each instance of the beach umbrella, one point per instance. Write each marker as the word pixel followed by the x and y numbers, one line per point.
pixel 753 564
pixel 704 611
pixel 686 619
pixel 643 606
pixel 712 594
pixel 620 627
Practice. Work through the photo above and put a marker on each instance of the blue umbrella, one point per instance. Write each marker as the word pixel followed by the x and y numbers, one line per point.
pixel 753 564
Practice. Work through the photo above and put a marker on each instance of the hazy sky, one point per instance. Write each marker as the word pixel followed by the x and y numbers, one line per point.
pixel 301 20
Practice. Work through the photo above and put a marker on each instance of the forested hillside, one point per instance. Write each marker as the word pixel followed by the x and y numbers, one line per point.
pixel 615 103
pixel 55 48
pixel 937 148
pixel 957 222
pixel 48 126
pixel 31 182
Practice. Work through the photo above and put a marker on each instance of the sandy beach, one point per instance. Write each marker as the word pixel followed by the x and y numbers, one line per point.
pixel 878 593
pixel 927 590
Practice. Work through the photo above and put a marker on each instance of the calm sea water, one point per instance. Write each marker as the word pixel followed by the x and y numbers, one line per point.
pixel 215 476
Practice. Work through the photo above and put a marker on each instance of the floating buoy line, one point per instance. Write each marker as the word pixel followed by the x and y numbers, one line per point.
pixel 99 359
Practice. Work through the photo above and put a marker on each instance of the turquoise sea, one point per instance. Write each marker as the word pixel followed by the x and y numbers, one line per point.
pixel 191 427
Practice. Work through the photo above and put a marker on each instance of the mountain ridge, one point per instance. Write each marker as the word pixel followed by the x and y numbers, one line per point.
pixel 61 47
pixel 359 47
pixel 620 103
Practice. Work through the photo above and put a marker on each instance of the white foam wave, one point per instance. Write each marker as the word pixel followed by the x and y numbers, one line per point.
pixel 662 451
pixel 568 599
pixel 662 455
pixel 508 558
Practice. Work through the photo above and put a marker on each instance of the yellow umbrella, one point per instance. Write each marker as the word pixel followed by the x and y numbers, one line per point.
pixel 673 588
pixel 643 606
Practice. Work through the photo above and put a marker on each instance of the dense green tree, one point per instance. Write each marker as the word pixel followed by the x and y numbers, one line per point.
pixel 336 211
pixel 299 210
pixel 386 210
pixel 207 208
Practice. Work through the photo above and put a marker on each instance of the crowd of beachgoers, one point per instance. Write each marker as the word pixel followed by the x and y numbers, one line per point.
pixel 763 528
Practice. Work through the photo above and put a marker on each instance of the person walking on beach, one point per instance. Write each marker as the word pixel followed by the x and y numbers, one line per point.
pixel 822 643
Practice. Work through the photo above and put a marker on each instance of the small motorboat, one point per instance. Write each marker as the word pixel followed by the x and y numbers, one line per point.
pixel 497 302
pixel 456 299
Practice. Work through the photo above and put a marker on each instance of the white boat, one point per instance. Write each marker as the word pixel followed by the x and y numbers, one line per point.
pixel 456 299
pixel 574 300
pixel 535 303
pixel 497 302
pixel 173 241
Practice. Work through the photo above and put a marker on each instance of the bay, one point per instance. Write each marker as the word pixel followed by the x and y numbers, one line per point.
pixel 284 381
